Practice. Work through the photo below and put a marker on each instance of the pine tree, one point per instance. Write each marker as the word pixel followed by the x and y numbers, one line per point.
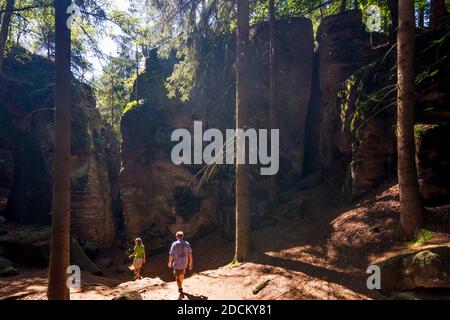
pixel 411 210
pixel 60 243
pixel 243 230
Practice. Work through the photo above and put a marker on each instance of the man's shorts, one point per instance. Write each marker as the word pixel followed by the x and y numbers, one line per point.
pixel 137 264
pixel 178 273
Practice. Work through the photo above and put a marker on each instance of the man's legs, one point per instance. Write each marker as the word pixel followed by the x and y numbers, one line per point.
pixel 179 276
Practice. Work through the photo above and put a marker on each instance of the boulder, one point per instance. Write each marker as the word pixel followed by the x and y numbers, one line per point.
pixel 123 268
pixel 91 248
pixel 78 257
pixel 6 268
pixel 428 268
pixel 129 295
pixel 28 245
pixel 423 294
pixel 105 262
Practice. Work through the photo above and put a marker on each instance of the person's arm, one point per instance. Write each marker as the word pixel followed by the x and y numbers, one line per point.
pixel 191 261
pixel 144 260
pixel 132 255
pixel 170 261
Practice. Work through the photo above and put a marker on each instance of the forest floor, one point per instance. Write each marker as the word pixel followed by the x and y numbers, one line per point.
pixel 324 255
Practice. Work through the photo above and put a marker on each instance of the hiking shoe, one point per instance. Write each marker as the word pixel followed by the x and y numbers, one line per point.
pixel 180 290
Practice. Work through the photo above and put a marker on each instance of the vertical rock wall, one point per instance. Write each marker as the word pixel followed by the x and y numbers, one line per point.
pixel 26 150
pixel 159 197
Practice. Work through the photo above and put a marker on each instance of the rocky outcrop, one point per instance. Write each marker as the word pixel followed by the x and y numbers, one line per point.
pixel 6 268
pixel 159 197
pixel 367 136
pixel 6 171
pixel 428 268
pixel 25 245
pixel 343 48
pixel 337 133
pixel 433 118
pixel 26 149
pixel 433 162
pixel 352 114
pixel 294 64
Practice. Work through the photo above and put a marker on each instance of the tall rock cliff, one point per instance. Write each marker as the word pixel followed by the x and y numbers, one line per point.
pixel 26 150
pixel 160 197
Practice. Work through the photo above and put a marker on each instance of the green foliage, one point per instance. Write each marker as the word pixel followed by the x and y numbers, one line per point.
pixel 131 106
pixel 367 93
pixel 180 83
pixel 113 89
pixel 423 237
pixel 421 129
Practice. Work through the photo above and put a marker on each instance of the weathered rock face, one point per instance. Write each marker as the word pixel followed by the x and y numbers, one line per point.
pixel 160 197
pixel 335 133
pixel 6 171
pixel 352 114
pixel 344 47
pixel 433 162
pixel 424 269
pixel 294 64
pixel 368 135
pixel 433 120
pixel 26 148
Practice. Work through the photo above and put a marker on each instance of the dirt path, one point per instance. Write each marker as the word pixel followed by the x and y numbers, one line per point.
pixel 323 256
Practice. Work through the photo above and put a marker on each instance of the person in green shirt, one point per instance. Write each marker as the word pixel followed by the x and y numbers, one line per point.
pixel 139 257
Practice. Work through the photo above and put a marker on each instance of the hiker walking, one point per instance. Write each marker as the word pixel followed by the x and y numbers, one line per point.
pixel 180 258
pixel 139 257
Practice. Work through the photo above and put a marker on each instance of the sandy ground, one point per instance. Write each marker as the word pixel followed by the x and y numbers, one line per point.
pixel 322 256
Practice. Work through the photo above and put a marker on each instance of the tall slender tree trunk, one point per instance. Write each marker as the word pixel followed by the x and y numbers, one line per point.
pixel 243 231
pixel 60 243
pixel 438 13
pixel 343 7
pixel 4 31
pixel 411 210
pixel 137 73
pixel 421 22
pixel 273 190
pixel 393 9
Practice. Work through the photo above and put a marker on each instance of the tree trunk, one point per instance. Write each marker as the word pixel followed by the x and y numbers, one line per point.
pixel 393 9
pixel 273 191
pixel 137 74
pixel 343 6
pixel 421 22
pixel 6 22
pixel 438 13
pixel 243 241
pixel 411 210
pixel 60 243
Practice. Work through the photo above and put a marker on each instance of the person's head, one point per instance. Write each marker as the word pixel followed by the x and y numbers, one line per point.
pixel 180 235
pixel 138 241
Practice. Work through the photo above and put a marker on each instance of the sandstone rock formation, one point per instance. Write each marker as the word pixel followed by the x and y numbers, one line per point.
pixel 343 48
pixel 159 197
pixel 352 113
pixel 428 268
pixel 26 102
